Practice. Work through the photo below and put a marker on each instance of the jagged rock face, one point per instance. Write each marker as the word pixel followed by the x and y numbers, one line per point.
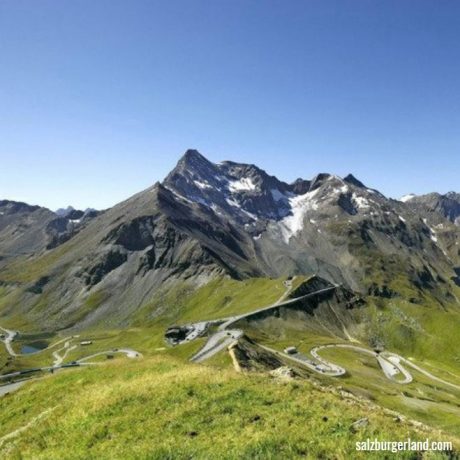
pixel 326 225
pixel 68 223
pixel 26 229
pixel 447 206
pixel 228 219
pixel 248 196
pixel 441 215
pixel 336 311
pixel 243 192
pixel 75 214
pixel 22 228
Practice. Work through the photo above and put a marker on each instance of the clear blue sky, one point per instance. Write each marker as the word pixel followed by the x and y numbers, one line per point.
pixel 99 98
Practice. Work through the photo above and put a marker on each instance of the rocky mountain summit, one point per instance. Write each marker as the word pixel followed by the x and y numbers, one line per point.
pixel 76 214
pixel 207 221
pixel 446 206
pixel 310 225
pixel 26 229
pixel 248 196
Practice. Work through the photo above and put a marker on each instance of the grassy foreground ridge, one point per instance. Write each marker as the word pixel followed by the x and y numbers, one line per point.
pixel 161 408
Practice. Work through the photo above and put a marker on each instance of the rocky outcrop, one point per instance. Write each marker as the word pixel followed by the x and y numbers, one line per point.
pixel 209 220
pixel 446 206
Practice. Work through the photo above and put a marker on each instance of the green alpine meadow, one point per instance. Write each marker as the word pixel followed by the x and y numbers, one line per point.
pixel 229 230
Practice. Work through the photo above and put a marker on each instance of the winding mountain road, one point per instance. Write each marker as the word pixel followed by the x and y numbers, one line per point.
pixel 391 369
pixel 58 359
pixel 7 339
pixel 126 351
pixel 321 366
pixel 216 343
pixel 58 363
pixel 391 364
pixel 280 303
pixel 225 336
pixel 394 358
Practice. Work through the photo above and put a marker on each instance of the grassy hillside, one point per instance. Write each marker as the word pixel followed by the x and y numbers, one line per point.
pixel 185 303
pixel 159 408
pixel 178 302
pixel 424 399
pixel 217 299
pixel 109 409
pixel 424 330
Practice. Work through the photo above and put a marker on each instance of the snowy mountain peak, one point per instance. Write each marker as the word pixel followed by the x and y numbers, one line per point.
pixel 242 192
pixel 407 198
pixel 247 195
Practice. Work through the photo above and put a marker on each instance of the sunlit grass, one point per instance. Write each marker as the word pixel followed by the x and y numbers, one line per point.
pixel 160 407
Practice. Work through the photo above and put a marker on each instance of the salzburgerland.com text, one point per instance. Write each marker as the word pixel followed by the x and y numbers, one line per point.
pixel 408 445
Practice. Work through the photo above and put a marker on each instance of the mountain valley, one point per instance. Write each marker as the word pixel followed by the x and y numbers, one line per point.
pixel 229 267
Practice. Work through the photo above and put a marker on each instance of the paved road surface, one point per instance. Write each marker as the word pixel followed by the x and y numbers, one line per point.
pixel 9 337
pixel 126 351
pixel 223 336
pixel 10 387
pixel 321 367
pixel 390 363
pixel 396 358
pixel 57 364
pixel 216 343
pixel 391 369
pixel 278 304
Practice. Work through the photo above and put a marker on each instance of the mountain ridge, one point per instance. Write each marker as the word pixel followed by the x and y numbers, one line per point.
pixel 207 220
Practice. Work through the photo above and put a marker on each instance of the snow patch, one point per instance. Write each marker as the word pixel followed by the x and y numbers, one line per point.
pixel 200 200
pixel 360 201
pixel 407 198
pixel 216 209
pixel 245 183
pixel 432 231
pixel 201 185
pixel 177 195
pixel 235 204
pixel 300 205
pixel 232 203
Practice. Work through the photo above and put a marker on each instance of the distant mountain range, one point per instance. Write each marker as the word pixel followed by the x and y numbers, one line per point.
pixel 26 229
pixel 435 204
pixel 205 221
